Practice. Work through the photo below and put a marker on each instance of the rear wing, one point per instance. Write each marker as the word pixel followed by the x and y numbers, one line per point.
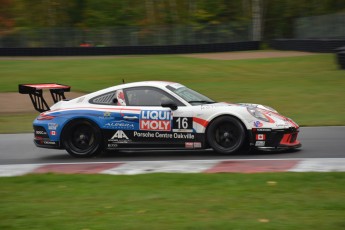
pixel 35 92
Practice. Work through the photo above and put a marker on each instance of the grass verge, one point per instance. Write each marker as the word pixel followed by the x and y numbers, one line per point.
pixel 17 123
pixel 174 201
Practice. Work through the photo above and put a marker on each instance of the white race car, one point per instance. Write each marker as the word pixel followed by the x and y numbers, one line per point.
pixel 154 115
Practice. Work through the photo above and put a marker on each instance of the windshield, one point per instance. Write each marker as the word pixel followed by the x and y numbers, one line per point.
pixel 191 96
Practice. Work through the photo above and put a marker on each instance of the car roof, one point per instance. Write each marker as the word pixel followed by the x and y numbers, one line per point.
pixel 146 83
pixel 158 84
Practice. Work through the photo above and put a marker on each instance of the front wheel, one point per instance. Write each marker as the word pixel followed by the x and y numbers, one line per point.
pixel 82 138
pixel 226 135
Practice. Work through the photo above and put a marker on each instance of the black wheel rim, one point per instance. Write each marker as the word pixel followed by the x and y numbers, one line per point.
pixel 82 138
pixel 227 135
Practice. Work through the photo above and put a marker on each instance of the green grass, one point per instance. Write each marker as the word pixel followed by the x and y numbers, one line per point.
pixel 174 201
pixel 309 89
pixel 17 123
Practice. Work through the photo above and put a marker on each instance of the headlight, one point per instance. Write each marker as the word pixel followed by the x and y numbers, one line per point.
pixel 257 114
pixel 270 108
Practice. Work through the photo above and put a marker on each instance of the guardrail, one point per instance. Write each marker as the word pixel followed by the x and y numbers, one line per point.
pixel 123 50
pixel 309 45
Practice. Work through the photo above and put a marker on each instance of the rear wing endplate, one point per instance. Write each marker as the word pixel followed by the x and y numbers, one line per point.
pixel 35 92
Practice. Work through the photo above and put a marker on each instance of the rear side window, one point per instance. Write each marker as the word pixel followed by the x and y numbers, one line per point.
pixel 105 99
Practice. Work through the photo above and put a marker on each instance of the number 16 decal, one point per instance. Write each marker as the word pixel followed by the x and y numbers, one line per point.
pixel 183 123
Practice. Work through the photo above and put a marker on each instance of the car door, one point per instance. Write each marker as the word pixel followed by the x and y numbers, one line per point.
pixel 147 124
pixel 142 121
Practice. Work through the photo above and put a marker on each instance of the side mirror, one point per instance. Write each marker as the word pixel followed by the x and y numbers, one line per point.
pixel 169 104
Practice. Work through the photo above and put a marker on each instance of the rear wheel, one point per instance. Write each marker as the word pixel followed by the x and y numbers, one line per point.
pixel 82 138
pixel 226 135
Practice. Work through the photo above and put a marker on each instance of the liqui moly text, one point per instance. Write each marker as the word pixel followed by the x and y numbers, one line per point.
pixel 155 120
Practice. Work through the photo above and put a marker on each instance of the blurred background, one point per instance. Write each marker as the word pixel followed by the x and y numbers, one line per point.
pixel 103 23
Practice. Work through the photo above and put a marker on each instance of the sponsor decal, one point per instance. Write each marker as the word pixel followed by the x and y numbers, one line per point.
pixel 164 135
pixel 189 145
pixel 260 143
pixel 155 125
pixel 154 120
pixel 106 115
pixel 145 135
pixel 282 125
pixel 192 145
pixel 260 137
pixel 205 107
pixel 184 136
pixel 52 126
pixel 155 115
pixel 53 133
pixel 263 130
pixel 49 142
pixel 248 105
pixel 112 145
pixel 124 125
pixel 197 145
pixel 40 132
pixel 258 124
pixel 160 135
pixel 119 135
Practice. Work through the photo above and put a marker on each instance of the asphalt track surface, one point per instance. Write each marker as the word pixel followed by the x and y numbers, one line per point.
pixel 317 142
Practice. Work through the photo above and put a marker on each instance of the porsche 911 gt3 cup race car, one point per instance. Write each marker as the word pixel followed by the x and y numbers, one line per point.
pixel 154 115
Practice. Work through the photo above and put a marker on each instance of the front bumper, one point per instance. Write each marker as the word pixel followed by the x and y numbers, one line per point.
pixel 275 139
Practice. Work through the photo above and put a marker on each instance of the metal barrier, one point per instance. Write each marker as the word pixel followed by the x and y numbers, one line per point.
pixel 172 49
pixel 309 45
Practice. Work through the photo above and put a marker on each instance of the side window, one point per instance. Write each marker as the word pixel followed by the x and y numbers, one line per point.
pixel 111 98
pixel 147 96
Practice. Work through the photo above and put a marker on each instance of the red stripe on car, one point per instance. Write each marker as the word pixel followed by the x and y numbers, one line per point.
pixel 200 121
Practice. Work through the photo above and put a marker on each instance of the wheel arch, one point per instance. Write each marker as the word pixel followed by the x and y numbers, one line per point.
pixel 235 115
pixel 75 119
pixel 247 133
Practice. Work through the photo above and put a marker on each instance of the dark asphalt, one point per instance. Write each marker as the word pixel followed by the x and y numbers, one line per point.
pixel 318 142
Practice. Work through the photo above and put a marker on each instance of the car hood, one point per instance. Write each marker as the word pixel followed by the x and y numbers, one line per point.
pixel 258 106
pixel 247 105
pixel 276 120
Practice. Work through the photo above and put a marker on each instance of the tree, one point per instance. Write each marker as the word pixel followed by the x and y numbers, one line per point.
pixel 7 21
pixel 257 11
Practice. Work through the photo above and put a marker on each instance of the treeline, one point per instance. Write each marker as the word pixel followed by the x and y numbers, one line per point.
pixel 269 18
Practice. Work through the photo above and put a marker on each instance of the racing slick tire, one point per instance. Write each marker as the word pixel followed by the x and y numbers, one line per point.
pixel 226 135
pixel 82 138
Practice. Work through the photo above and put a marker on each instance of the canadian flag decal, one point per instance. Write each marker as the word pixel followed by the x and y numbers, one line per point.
pixel 260 137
